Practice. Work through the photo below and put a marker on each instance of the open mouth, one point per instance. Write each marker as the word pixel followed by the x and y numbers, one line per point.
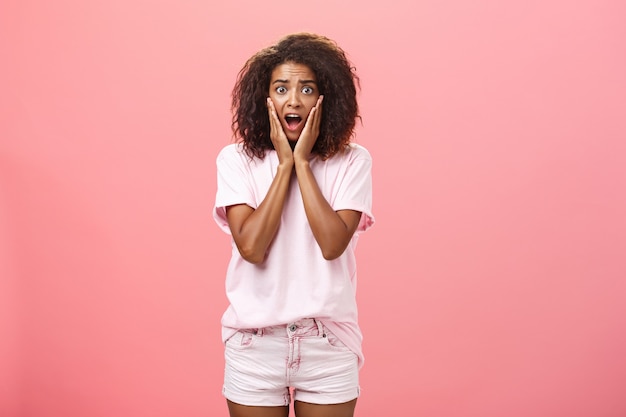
pixel 293 121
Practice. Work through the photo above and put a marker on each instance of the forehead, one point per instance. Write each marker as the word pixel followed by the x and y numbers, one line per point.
pixel 288 70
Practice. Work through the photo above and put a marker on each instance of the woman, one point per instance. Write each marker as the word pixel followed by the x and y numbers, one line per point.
pixel 293 193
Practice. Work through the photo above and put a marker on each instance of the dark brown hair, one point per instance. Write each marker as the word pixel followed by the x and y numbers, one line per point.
pixel 336 80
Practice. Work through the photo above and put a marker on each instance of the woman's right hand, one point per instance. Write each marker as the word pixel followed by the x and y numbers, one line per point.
pixel 278 137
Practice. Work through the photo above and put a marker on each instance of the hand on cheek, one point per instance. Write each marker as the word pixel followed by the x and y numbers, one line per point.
pixel 277 135
pixel 310 132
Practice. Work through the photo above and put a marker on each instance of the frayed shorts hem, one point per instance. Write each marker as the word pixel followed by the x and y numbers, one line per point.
pixel 272 401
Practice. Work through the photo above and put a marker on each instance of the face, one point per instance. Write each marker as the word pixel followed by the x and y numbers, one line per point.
pixel 293 89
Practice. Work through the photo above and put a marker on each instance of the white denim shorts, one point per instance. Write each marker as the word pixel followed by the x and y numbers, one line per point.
pixel 264 365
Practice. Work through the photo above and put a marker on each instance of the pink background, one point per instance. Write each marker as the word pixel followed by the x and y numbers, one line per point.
pixel 493 284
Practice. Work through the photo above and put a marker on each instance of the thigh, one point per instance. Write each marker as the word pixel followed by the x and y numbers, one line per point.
pixel 328 371
pixel 254 373
pixel 303 409
pixel 238 410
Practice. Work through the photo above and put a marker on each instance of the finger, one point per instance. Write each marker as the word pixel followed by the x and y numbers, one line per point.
pixel 277 134
pixel 270 109
pixel 274 132
pixel 309 134
pixel 320 101
pixel 313 120
pixel 308 125
pixel 318 114
pixel 316 111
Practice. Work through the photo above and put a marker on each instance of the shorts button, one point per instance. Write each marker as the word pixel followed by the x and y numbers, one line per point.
pixel 293 327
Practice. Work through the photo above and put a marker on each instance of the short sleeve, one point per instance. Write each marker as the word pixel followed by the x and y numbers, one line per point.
pixel 233 185
pixel 355 190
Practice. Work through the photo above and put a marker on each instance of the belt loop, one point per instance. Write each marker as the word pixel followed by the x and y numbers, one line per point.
pixel 259 332
pixel 320 327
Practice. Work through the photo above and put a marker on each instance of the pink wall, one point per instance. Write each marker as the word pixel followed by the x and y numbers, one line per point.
pixel 493 283
pixel 9 320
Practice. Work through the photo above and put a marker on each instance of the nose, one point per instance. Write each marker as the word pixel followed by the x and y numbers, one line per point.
pixel 294 99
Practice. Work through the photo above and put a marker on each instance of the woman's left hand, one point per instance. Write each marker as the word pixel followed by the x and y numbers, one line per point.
pixel 310 132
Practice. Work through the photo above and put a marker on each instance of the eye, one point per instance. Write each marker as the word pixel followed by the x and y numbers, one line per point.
pixel 281 90
pixel 307 90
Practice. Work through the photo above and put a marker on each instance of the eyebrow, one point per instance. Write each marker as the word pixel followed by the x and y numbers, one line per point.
pixel 301 82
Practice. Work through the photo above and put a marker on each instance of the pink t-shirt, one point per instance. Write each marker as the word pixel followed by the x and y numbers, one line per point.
pixel 294 281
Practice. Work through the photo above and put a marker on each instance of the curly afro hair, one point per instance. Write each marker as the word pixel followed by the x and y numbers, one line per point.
pixel 336 80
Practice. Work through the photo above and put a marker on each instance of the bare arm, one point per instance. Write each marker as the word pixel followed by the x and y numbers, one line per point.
pixel 332 229
pixel 253 230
